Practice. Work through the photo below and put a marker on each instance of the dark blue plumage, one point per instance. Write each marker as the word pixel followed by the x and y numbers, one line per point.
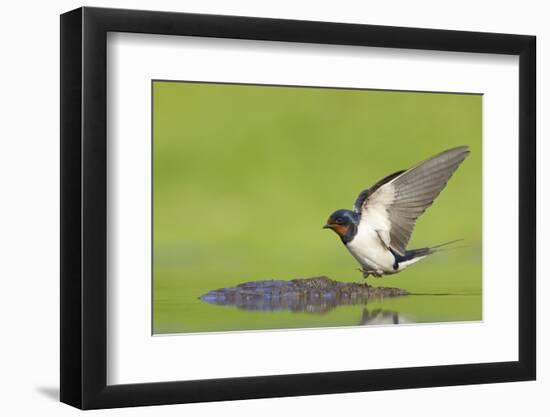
pixel 345 223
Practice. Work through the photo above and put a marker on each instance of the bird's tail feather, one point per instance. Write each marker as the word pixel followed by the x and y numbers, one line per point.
pixel 438 247
pixel 421 252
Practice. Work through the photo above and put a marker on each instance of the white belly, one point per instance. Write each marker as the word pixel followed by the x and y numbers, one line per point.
pixel 370 252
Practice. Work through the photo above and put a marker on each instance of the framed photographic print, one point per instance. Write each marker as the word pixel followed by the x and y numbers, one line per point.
pixel 310 196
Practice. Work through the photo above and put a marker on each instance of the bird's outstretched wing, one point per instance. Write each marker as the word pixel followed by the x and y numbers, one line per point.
pixel 393 204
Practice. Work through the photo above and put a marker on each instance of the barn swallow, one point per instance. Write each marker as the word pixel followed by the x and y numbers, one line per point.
pixel 378 229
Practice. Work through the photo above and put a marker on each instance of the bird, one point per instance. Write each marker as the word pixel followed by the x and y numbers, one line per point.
pixel 377 231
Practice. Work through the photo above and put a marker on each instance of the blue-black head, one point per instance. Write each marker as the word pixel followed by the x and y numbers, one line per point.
pixel 344 223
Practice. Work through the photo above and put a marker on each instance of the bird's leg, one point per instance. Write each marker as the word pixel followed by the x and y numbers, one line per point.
pixel 366 274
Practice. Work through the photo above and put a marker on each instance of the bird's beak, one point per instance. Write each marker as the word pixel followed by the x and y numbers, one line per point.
pixel 327 226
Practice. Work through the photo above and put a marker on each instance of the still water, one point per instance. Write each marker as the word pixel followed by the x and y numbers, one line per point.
pixel 447 288
pixel 211 314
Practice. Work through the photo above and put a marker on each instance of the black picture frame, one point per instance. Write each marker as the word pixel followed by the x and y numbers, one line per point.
pixel 84 207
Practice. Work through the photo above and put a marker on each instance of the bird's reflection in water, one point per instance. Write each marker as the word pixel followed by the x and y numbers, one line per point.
pixel 379 316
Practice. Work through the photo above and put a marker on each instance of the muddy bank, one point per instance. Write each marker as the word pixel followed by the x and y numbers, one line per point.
pixel 316 295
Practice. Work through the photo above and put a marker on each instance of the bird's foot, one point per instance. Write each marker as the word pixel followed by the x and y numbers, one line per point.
pixel 365 276
pixel 365 272
pixel 373 272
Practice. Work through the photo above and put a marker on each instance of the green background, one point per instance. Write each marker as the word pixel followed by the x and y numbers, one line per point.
pixel 246 175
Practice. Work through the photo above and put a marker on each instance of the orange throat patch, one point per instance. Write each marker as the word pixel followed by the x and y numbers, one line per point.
pixel 340 229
